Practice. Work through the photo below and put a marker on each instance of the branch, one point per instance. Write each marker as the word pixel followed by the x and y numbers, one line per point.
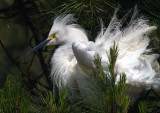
pixel 46 87
pixel 11 58
pixel 38 77
pixel 101 10
pixel 35 31
pixel 30 65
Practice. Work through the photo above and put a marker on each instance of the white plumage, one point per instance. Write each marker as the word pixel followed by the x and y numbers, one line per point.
pixel 72 62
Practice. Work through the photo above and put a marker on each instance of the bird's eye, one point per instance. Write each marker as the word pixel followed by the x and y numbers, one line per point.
pixel 54 35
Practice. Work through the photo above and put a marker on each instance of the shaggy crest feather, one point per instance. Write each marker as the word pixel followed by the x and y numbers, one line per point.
pixel 64 21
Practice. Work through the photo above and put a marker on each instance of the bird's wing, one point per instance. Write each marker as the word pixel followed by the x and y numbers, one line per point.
pixel 141 68
pixel 84 56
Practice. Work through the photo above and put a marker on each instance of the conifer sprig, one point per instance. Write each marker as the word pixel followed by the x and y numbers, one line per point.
pixel 112 94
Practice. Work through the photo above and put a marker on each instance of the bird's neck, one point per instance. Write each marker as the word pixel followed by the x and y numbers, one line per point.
pixel 61 63
pixel 64 53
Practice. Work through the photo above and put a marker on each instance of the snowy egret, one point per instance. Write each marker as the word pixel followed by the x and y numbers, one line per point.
pixel 73 59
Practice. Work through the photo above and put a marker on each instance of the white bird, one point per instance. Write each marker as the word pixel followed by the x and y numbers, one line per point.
pixel 73 59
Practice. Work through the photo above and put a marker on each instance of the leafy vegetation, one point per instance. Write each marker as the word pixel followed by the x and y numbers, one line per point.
pixel 110 96
pixel 13 97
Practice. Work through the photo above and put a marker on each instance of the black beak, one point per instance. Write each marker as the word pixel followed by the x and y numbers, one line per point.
pixel 38 46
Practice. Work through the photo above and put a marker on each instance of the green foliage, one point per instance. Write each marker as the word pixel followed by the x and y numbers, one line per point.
pixel 151 8
pixel 142 107
pixel 88 12
pixel 63 105
pixel 13 97
pixel 110 96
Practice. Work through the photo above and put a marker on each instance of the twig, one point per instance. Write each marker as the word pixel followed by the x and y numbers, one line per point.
pixel 20 7
pixel 35 31
pixel 11 58
pixel 30 65
pixel 101 10
pixel 38 77
pixel 40 12
pixel 46 87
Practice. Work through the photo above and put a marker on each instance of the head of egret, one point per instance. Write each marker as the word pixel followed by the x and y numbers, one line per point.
pixel 63 31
